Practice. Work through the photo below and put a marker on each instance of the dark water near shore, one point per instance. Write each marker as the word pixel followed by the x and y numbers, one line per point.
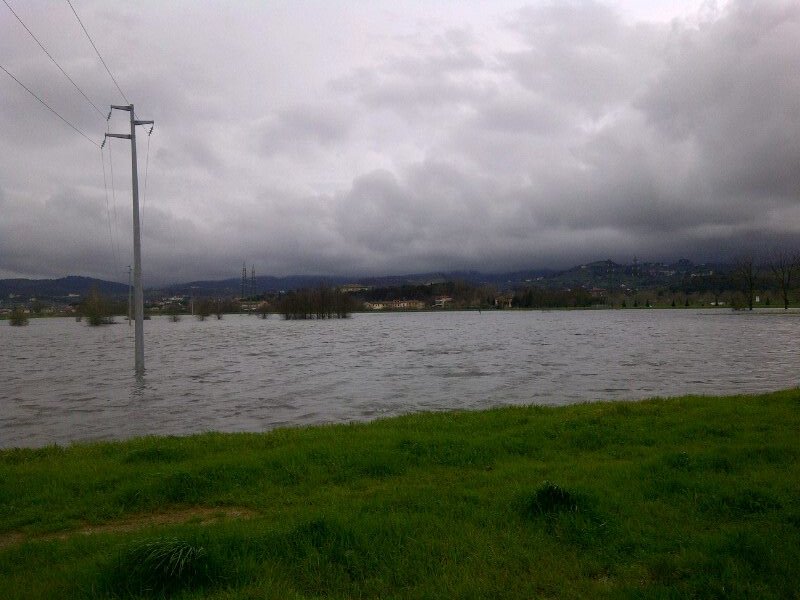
pixel 61 381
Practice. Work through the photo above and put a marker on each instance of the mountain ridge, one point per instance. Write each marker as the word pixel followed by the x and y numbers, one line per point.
pixel 599 273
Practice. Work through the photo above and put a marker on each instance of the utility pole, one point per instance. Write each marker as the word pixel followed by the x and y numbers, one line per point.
pixel 130 298
pixel 244 280
pixel 138 303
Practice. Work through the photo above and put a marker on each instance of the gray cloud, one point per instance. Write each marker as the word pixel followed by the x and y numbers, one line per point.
pixel 301 128
pixel 485 139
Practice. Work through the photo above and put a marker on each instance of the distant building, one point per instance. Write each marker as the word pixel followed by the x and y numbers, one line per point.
pixel 395 305
pixel 353 287
pixel 441 301
pixel 504 300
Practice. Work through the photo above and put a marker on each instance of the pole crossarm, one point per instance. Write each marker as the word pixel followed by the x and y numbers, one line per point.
pixel 138 122
pixel 124 136
pixel 127 107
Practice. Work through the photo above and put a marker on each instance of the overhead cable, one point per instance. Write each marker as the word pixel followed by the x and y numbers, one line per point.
pixel 98 52
pixel 146 169
pixel 114 196
pixel 53 59
pixel 114 252
pixel 48 107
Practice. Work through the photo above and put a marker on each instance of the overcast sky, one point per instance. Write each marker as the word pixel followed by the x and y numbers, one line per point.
pixel 393 137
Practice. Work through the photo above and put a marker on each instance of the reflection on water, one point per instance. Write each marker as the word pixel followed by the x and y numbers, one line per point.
pixel 139 387
pixel 62 381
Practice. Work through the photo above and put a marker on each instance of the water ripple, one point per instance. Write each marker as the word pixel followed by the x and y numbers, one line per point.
pixel 63 382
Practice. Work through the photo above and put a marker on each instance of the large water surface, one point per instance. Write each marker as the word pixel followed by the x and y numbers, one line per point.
pixel 61 381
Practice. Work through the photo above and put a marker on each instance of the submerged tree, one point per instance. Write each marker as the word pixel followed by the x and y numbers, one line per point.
pixel 18 317
pixel 320 303
pixel 97 309
pixel 202 309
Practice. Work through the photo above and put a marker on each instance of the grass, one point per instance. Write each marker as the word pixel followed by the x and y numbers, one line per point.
pixel 692 497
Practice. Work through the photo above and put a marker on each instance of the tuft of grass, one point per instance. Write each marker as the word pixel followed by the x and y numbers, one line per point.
pixel 159 567
pixel 568 516
pixel 550 499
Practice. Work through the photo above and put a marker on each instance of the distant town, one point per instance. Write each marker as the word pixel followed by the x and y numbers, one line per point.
pixel 599 284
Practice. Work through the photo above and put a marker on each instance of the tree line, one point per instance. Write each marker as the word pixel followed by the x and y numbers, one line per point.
pixel 318 303
pixel 779 273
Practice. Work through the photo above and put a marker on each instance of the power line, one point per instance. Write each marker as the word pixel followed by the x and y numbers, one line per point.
pixel 98 52
pixel 114 253
pixel 48 107
pixel 53 59
pixel 146 169
pixel 114 195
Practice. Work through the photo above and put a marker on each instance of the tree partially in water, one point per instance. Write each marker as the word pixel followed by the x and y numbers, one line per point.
pixel 202 309
pixel 319 303
pixel 19 317
pixel 97 309
pixel 173 313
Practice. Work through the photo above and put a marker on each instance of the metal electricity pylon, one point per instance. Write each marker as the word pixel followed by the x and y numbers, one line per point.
pixel 138 292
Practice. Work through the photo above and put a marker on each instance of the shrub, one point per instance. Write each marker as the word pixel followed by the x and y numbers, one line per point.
pixel 97 309
pixel 18 317
pixel 550 499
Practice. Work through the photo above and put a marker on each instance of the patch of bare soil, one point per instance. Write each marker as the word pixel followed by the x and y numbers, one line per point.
pixel 197 515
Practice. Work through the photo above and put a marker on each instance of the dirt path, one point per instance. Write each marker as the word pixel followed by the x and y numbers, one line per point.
pixel 198 515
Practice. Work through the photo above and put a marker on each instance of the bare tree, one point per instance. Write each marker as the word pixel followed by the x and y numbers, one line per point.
pixel 783 265
pixel 746 272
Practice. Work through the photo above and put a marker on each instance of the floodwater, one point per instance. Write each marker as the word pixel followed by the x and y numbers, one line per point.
pixel 61 381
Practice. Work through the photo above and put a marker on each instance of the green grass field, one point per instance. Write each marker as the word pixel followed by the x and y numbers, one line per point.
pixel 692 497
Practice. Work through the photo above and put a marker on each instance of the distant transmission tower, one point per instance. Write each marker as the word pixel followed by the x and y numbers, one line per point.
pixel 253 281
pixel 244 278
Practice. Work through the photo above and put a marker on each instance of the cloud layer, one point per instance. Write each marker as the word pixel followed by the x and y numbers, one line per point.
pixel 362 141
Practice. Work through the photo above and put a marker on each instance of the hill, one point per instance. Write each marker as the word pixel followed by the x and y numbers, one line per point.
pixel 601 274
pixel 59 288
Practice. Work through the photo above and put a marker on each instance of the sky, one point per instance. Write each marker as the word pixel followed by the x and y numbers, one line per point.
pixel 389 137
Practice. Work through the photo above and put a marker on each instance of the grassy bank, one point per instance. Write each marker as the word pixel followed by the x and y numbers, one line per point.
pixel 688 497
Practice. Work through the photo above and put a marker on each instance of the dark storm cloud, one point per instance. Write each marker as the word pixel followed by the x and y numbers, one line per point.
pixel 58 230
pixel 700 145
pixel 555 134
pixel 729 90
